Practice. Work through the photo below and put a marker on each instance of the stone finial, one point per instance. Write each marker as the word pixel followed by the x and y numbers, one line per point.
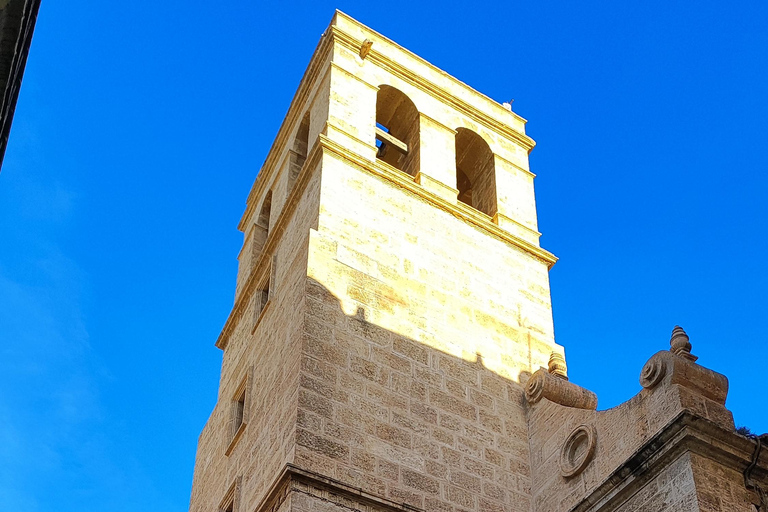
pixel 557 365
pixel 680 344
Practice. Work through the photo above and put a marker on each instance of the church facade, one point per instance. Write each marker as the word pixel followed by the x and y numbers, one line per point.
pixel 391 345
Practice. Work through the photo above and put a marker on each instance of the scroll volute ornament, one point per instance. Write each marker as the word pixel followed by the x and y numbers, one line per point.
pixel 653 371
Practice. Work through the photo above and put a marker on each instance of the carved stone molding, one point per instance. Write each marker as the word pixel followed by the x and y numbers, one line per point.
pixel 293 479
pixel 685 433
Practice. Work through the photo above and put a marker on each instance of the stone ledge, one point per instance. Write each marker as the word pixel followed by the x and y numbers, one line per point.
pixel 295 479
pixel 459 209
pixel 437 187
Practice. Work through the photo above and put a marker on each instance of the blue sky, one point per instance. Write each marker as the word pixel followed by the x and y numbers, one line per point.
pixel 140 129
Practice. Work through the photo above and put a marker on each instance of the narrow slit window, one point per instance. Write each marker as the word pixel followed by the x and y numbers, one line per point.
pixel 299 151
pixel 261 300
pixel 261 227
pixel 238 409
pixel 264 292
pixel 238 415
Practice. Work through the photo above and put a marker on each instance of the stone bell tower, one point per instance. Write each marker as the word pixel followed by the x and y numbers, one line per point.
pixel 391 293
pixel 392 328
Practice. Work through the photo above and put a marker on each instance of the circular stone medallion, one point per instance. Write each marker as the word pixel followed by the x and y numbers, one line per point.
pixel 577 450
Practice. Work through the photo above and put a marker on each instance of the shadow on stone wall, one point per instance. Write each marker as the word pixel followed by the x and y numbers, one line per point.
pixel 405 421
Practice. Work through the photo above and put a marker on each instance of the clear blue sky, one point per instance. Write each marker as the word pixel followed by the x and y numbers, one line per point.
pixel 141 127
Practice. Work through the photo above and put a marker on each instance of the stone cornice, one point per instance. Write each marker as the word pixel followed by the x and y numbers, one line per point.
pixel 316 66
pixel 417 80
pixel 295 479
pixel 513 164
pixel 685 433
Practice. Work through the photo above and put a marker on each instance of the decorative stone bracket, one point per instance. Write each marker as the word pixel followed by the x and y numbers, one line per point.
pixel 543 384
pixel 677 366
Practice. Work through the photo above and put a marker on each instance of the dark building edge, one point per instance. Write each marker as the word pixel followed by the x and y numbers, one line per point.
pixel 17 23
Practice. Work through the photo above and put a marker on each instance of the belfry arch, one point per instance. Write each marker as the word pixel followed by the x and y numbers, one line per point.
pixel 475 172
pixel 397 130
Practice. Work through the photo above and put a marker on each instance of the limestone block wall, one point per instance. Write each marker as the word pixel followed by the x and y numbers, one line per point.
pixel 269 356
pixel 382 349
pixel 691 483
pixel 718 487
pixel 399 322
pixel 403 421
pixel 619 433
pixel 261 342
pixel 419 271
